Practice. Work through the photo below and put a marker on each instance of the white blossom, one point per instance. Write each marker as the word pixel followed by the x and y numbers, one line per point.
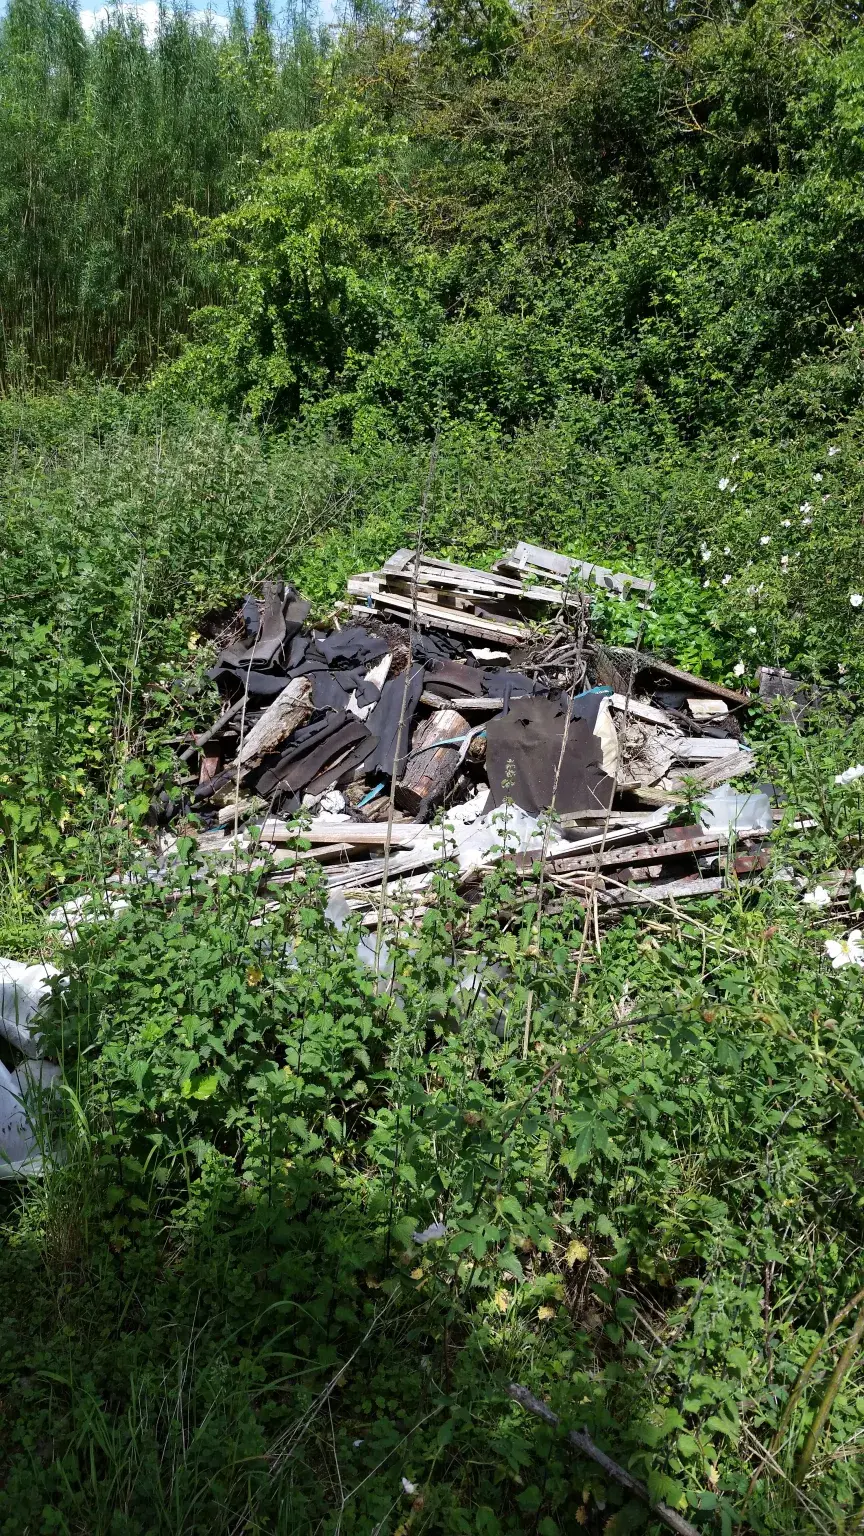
pixel 752 630
pixel 818 478
pixel 765 539
pixel 805 507
pixel 806 521
pixel 846 951
pixel 739 669
pixel 849 775
pixel 849 330
pixel 723 485
pixel 432 1233
pixel 784 560
pixel 832 452
pixel 705 584
pixel 786 523
pixel 727 550
pixel 408 1487
pixel 856 599
pixel 818 897
pixel 859 879
pixel 726 580
pixel 735 458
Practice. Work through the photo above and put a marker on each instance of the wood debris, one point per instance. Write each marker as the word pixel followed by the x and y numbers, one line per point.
pixel 365 748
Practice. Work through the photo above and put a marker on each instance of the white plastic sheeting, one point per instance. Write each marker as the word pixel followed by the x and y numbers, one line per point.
pixel 23 1096
pixel 23 988
pixel 726 812
pixel 475 836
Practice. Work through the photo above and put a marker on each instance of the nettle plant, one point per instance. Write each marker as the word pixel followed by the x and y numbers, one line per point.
pixel 576 1163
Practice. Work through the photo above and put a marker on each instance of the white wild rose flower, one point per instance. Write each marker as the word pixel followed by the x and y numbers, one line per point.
pixel 765 539
pixel 832 452
pixel 818 897
pixel 726 580
pixel 739 669
pixel 846 951
pixel 849 775
pixel 818 478
pixel 805 507
pixel 856 599
pixel 723 485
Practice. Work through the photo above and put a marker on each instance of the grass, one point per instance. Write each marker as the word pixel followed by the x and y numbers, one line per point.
pixel 219 1319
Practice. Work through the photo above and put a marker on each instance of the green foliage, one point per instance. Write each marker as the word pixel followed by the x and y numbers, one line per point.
pixel 268 1125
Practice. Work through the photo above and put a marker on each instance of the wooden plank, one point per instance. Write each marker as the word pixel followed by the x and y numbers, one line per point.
pixel 673 890
pixel 642 661
pixel 650 852
pixel 636 709
pixel 704 749
pixel 465 706
pixel 706 777
pixel 354 834
pixel 433 617
pixel 627 834
pixel 489 590
pixel 528 557
pixel 322 854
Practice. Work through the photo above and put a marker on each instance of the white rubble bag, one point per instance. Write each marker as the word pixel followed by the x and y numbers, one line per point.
pixel 22 989
pixel 23 1102
pixel 24 1091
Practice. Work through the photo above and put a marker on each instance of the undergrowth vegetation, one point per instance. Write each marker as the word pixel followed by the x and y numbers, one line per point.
pixel 303 1219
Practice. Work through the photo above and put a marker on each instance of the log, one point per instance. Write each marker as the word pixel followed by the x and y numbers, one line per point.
pixel 430 766
pixel 292 707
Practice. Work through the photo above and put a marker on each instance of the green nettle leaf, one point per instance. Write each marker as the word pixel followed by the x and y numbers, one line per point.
pixel 205 1087
pixel 511 1264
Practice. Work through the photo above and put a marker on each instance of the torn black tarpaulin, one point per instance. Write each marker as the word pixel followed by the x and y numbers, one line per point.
pixel 260 649
pixel 454 680
pixel 237 678
pixel 503 684
pixel 304 740
pixel 352 647
pixel 522 753
pixel 384 720
pixel 310 762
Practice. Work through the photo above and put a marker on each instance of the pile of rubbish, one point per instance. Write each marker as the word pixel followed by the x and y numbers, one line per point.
pixel 455 714
pixel 461 714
